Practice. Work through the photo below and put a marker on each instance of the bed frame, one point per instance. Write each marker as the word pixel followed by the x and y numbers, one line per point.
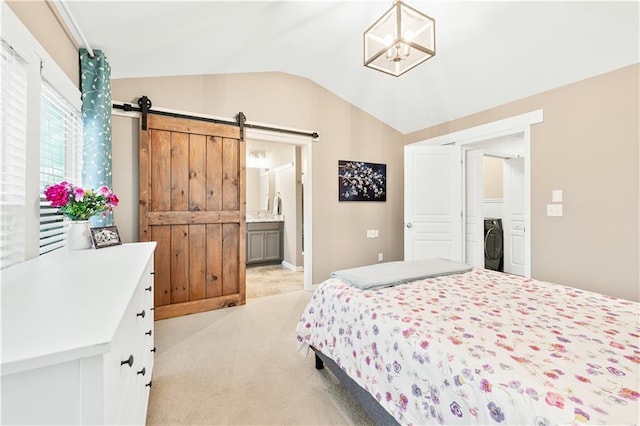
pixel 366 400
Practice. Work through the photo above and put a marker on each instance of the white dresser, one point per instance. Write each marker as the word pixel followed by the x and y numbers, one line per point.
pixel 77 337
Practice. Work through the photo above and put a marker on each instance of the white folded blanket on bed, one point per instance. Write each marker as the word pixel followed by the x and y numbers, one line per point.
pixel 388 274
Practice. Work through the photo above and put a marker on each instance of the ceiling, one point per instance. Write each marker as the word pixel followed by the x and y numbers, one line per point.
pixel 487 53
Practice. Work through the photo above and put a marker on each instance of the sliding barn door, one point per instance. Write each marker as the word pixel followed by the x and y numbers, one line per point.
pixel 192 202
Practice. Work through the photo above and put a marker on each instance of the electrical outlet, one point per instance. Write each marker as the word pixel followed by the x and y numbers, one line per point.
pixel 380 257
pixel 554 209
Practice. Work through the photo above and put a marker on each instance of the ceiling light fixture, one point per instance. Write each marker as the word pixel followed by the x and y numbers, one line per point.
pixel 400 40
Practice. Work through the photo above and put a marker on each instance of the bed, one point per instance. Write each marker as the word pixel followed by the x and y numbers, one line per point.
pixel 478 347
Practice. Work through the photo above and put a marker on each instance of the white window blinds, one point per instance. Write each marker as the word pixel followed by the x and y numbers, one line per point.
pixel 13 112
pixel 60 158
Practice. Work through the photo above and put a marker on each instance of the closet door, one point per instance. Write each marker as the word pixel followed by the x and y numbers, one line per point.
pixel 192 202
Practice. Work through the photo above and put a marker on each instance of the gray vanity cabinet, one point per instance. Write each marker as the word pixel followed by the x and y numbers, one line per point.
pixel 264 242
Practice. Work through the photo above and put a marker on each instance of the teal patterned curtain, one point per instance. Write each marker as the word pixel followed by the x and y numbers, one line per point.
pixel 95 80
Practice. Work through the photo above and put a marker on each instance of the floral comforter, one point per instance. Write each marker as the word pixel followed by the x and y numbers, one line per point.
pixel 483 347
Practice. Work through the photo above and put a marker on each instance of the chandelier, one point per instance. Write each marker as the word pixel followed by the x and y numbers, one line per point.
pixel 400 40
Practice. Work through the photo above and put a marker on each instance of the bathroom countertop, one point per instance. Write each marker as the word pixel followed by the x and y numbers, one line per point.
pixel 266 218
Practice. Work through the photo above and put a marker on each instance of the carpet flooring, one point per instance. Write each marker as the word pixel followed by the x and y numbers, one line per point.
pixel 241 366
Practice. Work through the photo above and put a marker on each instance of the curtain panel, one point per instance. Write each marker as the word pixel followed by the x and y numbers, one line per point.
pixel 95 82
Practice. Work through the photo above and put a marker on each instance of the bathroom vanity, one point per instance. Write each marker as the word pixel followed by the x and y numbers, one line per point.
pixel 265 240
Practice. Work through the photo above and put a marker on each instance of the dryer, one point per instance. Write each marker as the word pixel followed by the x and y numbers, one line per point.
pixel 493 244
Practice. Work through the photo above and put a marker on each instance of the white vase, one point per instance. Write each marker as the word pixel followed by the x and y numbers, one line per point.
pixel 78 235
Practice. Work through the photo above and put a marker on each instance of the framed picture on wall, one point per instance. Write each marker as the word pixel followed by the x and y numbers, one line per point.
pixel 361 181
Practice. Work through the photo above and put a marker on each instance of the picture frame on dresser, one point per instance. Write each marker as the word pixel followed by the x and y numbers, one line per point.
pixel 105 236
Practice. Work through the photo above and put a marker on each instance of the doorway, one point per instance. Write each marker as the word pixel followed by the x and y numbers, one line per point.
pixel 301 169
pixel 465 220
pixel 494 197
pixel 274 218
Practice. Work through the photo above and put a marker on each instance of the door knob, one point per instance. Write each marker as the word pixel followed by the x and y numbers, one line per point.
pixel 409 225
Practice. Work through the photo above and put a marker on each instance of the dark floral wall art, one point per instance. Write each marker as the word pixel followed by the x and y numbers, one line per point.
pixel 360 181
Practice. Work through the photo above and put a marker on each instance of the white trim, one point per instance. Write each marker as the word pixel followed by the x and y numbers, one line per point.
pixel 121 113
pixel 72 26
pixel 486 131
pixel 508 126
pixel 291 267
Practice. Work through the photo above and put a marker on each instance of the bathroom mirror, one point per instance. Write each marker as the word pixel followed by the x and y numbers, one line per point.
pixel 257 193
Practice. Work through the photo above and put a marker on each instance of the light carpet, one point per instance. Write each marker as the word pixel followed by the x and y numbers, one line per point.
pixel 241 366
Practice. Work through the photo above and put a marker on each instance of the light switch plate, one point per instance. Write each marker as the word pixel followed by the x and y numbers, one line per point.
pixel 372 233
pixel 556 195
pixel 554 209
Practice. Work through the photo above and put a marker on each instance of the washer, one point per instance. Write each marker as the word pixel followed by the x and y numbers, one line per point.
pixel 493 244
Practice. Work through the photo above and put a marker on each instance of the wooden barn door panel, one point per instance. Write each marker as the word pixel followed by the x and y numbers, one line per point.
pixel 192 203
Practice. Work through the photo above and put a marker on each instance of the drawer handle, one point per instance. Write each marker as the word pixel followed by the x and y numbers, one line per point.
pixel 148 333
pixel 152 309
pixel 143 371
pixel 214 277
pixel 152 350
pixel 148 288
pixel 141 314
pixel 152 272
pixel 149 384
pixel 127 361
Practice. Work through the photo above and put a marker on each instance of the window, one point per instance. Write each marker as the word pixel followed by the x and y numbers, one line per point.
pixel 60 158
pixel 13 112
pixel 39 108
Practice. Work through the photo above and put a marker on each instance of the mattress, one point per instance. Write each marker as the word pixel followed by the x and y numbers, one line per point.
pixel 482 347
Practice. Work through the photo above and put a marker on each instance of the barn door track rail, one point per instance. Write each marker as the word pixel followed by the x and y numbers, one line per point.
pixel 144 108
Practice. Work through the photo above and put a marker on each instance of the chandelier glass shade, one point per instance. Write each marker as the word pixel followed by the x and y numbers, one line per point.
pixel 400 40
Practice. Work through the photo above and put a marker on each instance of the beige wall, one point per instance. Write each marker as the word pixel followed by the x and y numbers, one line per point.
pixel 42 22
pixel 346 133
pixel 492 170
pixel 124 136
pixel 588 147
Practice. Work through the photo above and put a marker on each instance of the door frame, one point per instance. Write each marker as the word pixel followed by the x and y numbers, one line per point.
pixel 305 142
pixel 516 124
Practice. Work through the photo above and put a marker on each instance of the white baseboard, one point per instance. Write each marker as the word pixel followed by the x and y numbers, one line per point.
pixel 291 267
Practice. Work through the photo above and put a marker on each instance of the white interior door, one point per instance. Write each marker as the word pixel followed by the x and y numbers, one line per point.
pixel 514 216
pixel 474 223
pixel 433 202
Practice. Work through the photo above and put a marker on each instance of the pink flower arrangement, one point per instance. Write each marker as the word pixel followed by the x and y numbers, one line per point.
pixel 78 203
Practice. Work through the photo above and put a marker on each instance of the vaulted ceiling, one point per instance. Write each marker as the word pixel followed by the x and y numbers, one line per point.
pixel 487 53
